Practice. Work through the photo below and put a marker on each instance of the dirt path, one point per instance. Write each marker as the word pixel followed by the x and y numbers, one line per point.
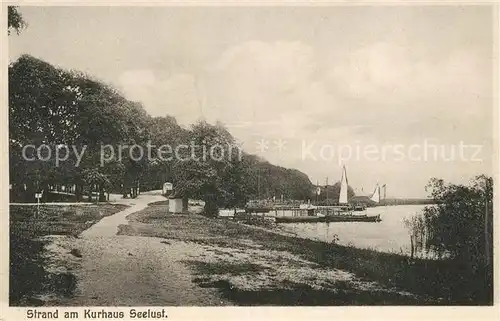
pixel 117 270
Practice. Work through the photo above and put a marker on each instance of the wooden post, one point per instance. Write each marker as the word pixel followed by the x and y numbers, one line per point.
pixel 38 196
pixel 486 238
pixel 411 244
pixel 326 191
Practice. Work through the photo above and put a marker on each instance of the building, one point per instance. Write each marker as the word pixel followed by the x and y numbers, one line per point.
pixel 177 203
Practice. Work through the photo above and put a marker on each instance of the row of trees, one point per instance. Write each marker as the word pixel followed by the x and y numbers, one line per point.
pixel 57 108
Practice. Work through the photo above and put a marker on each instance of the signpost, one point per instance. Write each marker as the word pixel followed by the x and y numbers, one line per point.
pixel 38 196
pixel 167 187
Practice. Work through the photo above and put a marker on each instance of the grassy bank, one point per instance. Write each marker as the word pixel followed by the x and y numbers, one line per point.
pixel 28 276
pixel 432 282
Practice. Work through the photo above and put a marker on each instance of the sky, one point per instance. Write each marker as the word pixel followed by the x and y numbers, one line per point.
pixel 396 94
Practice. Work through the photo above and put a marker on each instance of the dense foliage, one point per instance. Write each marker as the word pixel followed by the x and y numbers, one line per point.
pixel 459 227
pixel 15 20
pixel 460 224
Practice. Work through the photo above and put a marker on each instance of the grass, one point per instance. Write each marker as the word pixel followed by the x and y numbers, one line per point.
pixel 434 282
pixel 225 267
pixel 28 276
pixel 300 294
pixel 165 202
pixel 57 219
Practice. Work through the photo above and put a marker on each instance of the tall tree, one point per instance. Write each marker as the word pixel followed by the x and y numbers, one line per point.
pixel 202 176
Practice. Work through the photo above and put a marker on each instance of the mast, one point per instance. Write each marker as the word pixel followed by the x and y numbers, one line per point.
pixel 326 191
pixel 258 186
pixel 317 192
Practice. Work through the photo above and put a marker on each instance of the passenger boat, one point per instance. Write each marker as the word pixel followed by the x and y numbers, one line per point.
pixel 345 213
pixel 329 218
pixel 358 208
pixel 258 209
pixel 341 213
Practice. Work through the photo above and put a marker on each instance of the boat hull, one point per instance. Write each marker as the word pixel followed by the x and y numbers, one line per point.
pixel 257 209
pixel 300 219
pixel 329 218
pixel 353 218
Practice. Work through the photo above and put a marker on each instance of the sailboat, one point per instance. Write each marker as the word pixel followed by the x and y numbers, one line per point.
pixel 344 211
pixel 343 198
pixel 376 195
pixel 341 213
pixel 344 187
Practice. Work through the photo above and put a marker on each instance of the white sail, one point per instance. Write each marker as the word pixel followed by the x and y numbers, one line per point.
pixel 343 187
pixel 376 195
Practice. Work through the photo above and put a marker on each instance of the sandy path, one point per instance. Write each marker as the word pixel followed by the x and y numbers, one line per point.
pixel 118 270
pixel 121 270
pixel 108 226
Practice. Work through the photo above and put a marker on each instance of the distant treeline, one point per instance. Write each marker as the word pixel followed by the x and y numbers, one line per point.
pixel 407 201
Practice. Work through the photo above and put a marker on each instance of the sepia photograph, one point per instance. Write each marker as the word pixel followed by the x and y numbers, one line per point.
pixel 200 156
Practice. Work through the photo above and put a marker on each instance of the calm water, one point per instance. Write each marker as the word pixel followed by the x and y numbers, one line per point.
pixel 390 235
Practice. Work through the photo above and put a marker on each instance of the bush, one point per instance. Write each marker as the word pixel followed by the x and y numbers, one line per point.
pixel 459 229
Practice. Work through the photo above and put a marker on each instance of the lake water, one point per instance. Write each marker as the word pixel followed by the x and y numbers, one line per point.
pixel 389 235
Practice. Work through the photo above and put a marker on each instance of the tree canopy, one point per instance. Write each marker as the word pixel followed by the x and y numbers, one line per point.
pixel 460 222
pixel 15 20
pixel 459 226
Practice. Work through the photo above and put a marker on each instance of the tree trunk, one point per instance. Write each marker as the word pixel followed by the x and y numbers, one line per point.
pixel 90 193
pixel 210 208
pixel 185 204
pixel 412 247
pixel 102 196
pixel 78 192
pixel 124 190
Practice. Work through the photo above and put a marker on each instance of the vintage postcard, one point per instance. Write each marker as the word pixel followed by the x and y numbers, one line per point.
pixel 219 155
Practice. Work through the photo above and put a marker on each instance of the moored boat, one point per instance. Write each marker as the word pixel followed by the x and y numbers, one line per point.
pixel 358 208
pixel 328 219
pixel 300 219
pixel 341 213
pixel 353 218
pixel 258 209
pixel 344 212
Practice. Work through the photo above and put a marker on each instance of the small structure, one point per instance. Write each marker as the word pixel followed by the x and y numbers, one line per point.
pixel 167 189
pixel 177 203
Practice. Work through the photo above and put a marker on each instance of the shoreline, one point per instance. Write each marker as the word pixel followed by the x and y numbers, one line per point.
pixel 224 262
pixel 431 282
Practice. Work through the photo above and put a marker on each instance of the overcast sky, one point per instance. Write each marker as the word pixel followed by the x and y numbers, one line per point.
pixel 304 82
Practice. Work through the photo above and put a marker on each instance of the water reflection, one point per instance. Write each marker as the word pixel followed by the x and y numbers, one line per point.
pixel 389 235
